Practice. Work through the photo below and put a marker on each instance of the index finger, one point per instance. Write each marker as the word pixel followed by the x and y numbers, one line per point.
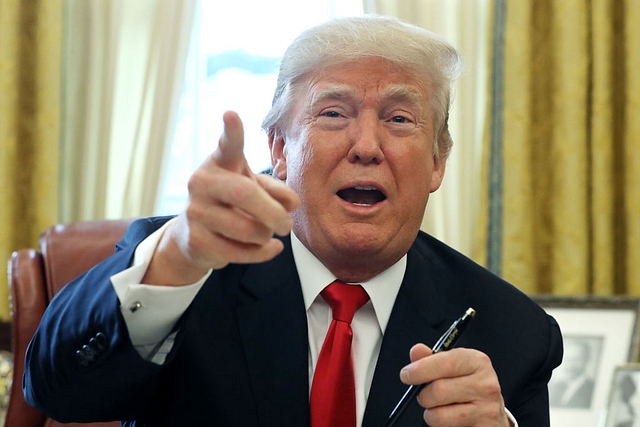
pixel 230 152
pixel 453 363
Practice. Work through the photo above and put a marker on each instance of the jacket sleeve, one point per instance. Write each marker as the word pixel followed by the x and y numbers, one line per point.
pixel 80 365
pixel 532 408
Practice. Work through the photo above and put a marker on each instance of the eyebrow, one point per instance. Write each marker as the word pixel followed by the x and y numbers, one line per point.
pixel 334 92
pixel 399 93
pixel 403 93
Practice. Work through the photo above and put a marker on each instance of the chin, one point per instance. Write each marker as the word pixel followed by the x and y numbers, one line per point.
pixel 359 243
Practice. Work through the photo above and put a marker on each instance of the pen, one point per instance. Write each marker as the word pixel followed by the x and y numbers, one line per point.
pixel 445 342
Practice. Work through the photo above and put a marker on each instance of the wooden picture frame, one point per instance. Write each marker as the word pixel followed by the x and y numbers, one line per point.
pixel 599 333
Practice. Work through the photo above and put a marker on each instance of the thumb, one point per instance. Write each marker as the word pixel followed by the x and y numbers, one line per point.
pixel 230 152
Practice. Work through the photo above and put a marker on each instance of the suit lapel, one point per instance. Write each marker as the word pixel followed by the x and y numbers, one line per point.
pixel 273 329
pixel 417 317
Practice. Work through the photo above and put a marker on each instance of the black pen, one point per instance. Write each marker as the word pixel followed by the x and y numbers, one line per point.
pixel 445 342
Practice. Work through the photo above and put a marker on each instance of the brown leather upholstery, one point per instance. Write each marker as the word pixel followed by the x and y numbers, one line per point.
pixel 34 278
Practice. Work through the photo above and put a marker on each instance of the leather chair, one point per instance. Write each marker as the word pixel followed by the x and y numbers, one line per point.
pixel 34 278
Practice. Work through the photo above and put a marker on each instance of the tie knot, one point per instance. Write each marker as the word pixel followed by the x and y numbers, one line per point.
pixel 344 299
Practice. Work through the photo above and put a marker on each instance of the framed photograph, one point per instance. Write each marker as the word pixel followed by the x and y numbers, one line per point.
pixel 599 333
pixel 623 409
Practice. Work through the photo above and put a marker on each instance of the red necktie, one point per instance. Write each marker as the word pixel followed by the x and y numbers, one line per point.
pixel 333 395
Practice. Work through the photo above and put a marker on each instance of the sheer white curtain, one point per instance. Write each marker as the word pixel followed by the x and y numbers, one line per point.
pixel 452 211
pixel 233 65
pixel 123 76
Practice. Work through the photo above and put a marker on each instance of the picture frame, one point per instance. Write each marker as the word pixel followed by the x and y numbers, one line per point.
pixel 623 407
pixel 599 333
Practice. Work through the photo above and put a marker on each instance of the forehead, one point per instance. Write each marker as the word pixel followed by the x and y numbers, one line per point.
pixel 366 77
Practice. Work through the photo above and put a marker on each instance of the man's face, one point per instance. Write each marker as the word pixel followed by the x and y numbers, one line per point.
pixel 359 153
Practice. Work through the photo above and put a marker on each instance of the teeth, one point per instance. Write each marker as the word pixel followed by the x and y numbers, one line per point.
pixel 365 188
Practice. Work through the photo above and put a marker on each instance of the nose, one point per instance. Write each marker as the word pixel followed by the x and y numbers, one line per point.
pixel 366 136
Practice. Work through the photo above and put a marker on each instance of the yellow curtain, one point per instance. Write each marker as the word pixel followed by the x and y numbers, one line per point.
pixel 563 157
pixel 30 46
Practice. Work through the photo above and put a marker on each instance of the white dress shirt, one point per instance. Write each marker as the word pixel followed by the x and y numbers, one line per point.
pixel 151 312
pixel 368 325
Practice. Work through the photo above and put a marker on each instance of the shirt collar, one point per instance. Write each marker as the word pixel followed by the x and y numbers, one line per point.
pixel 314 277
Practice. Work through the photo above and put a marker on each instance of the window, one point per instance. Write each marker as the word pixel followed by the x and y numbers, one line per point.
pixel 232 65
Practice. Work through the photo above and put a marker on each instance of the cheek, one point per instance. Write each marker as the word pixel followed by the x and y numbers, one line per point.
pixel 311 152
pixel 417 172
pixel 300 157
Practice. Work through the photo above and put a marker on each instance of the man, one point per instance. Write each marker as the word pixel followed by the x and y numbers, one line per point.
pixel 573 385
pixel 208 319
pixel 625 411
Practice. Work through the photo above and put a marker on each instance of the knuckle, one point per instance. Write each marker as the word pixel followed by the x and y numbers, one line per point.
pixel 482 359
pixel 437 417
pixel 461 417
pixel 449 416
pixel 450 365
pixel 239 192
pixel 193 213
pixel 197 180
pixel 494 412
pixel 248 231
pixel 439 390
pixel 432 417
pixel 493 388
pixel 479 362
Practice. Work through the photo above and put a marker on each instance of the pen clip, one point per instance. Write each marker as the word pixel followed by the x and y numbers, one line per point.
pixel 451 336
pixel 441 341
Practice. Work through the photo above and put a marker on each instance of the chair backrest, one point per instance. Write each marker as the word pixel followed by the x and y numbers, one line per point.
pixel 35 277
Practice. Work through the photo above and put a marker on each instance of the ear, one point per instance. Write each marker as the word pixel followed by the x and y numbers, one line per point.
pixel 437 174
pixel 278 156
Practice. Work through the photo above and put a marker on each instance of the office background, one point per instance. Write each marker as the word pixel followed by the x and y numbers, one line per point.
pixel 543 186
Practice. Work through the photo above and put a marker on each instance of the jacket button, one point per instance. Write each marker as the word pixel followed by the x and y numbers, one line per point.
pixel 99 342
pixel 89 353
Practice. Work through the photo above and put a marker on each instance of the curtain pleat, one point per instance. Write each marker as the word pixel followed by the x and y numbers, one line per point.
pixel 631 151
pixel 30 57
pixel 569 156
pixel 124 67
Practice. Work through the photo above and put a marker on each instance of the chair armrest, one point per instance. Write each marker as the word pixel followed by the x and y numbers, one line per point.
pixel 27 304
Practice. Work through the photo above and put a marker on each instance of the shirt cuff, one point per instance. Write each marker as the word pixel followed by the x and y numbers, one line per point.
pixel 151 312
pixel 512 420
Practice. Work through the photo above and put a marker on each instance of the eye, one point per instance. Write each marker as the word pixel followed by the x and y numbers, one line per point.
pixel 332 118
pixel 330 114
pixel 399 119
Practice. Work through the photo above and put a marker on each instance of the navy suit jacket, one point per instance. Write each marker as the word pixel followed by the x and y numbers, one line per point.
pixel 241 352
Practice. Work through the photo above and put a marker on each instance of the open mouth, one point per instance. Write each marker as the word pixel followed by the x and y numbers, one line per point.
pixel 362 195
